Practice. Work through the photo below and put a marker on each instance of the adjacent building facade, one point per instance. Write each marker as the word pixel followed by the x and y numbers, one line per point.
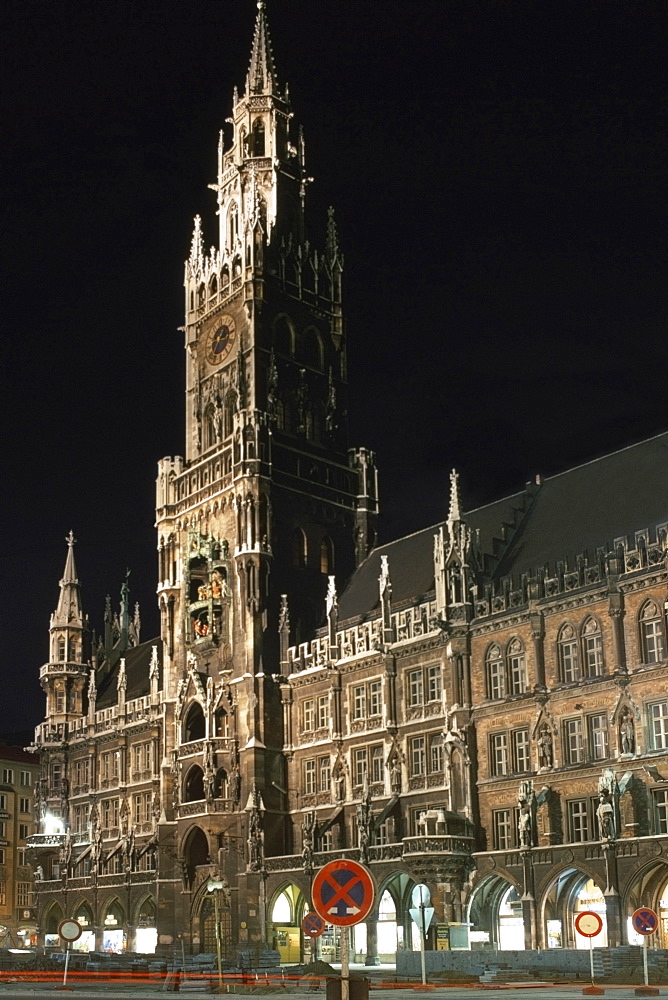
pixel 19 772
pixel 481 706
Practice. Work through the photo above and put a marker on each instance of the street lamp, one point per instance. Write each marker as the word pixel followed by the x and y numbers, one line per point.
pixel 214 885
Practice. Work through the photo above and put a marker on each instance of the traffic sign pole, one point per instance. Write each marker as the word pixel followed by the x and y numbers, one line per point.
pixel 644 960
pixel 345 964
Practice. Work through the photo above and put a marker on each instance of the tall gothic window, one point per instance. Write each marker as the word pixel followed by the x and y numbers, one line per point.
pixel 592 648
pixel 651 634
pixel 258 138
pixel 326 555
pixel 496 676
pixel 517 667
pixel 298 548
pixel 569 667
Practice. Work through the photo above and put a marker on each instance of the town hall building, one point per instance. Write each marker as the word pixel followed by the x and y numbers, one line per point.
pixel 481 705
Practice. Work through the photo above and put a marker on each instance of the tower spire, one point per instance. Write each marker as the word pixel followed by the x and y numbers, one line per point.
pixel 261 77
pixel 69 611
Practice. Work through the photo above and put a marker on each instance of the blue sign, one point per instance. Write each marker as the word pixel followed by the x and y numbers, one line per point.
pixel 644 920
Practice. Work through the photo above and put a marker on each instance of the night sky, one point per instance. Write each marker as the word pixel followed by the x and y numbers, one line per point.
pixel 499 174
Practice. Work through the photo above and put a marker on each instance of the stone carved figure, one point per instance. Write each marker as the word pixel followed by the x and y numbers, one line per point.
pixel 525 802
pixel 605 815
pixel 545 747
pixel 255 832
pixel 364 822
pixel 395 774
pixel 627 732
pixel 308 838
pixel 235 786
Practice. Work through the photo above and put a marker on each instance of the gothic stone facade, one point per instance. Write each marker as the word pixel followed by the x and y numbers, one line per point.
pixel 484 707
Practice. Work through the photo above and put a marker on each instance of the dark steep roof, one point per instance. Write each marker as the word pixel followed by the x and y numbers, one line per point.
pixel 577 511
pixel 137 663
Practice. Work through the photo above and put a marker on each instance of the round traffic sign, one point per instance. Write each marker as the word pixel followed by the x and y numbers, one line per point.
pixel 644 920
pixel 69 929
pixel 588 923
pixel 313 925
pixel 343 892
pixel 421 895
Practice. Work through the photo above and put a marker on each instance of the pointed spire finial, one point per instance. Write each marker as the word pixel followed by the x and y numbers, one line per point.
pixel 197 246
pixel 262 70
pixel 455 511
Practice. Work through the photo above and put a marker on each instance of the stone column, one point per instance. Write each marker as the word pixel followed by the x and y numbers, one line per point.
pixel 529 909
pixel 538 635
pixel 372 940
pixel 616 613
pixel 612 898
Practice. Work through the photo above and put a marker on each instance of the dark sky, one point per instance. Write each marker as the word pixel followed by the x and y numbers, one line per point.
pixel 499 174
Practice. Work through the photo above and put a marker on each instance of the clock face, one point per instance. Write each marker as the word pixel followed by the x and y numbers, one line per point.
pixel 220 340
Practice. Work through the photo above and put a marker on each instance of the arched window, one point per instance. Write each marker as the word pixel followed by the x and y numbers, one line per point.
pixel 282 911
pixel 298 548
pixel 592 648
pixel 309 348
pixel 232 225
pixel 496 677
pixel 517 667
pixel 651 634
pixel 195 852
pixel 201 296
pixel 284 336
pixel 209 428
pixel 569 666
pixel 193 728
pixel 213 286
pixel 228 414
pixel 225 277
pixel 194 785
pixel 258 138
pixel 326 555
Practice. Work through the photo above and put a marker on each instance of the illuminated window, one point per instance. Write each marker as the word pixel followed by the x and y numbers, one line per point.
pixel 309 777
pixel 496 677
pixel 568 654
pixel 326 555
pixel 651 634
pixel 517 667
pixel 498 744
pixel 298 548
pixel 592 648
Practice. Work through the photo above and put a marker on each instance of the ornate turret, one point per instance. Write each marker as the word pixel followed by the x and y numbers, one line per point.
pixel 64 676
pixel 452 558
pixel 261 77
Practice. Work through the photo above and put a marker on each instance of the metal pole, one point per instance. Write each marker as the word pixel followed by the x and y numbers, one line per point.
pixel 591 958
pixel 644 959
pixel 422 955
pixel 67 962
pixel 345 964
pixel 220 964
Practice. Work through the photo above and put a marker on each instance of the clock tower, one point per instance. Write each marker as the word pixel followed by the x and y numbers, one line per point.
pixel 268 502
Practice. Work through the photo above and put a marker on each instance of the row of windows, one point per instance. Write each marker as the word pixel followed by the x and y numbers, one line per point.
pixel 581 821
pixel 24 830
pixel 300 552
pixel 23 893
pixel 423 686
pixel 579 653
pixel 425 756
pixel 24 804
pixel 8 774
pixel 584 739
pixel 21 856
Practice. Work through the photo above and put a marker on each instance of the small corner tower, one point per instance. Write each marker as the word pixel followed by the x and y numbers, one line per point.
pixel 63 678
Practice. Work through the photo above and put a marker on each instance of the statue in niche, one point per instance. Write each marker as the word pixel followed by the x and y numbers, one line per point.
pixel 364 822
pixel 255 833
pixel 627 732
pixel 235 785
pixel 525 800
pixel 605 815
pixel 395 775
pixel 308 838
pixel 545 747
pixel 340 783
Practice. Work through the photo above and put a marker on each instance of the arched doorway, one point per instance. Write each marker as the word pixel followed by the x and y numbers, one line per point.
pixel 52 918
pixel 195 852
pixel 146 929
pixel 571 892
pixel 83 914
pixel 286 914
pixel 495 916
pixel 114 939
pixel 194 725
